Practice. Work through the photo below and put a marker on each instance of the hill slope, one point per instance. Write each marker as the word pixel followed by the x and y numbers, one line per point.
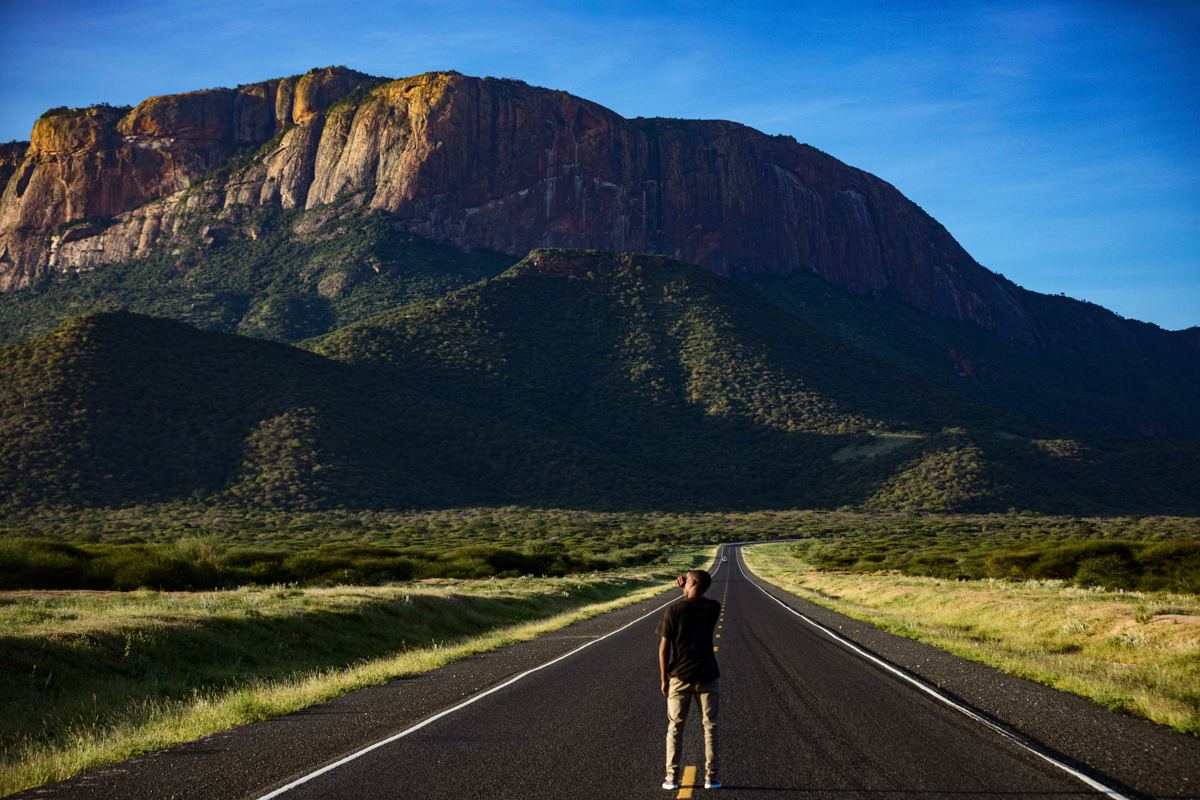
pixel 1102 373
pixel 573 380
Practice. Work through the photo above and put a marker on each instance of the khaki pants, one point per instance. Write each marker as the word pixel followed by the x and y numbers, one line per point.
pixel 679 698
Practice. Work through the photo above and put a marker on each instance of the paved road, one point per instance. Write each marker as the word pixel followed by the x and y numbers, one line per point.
pixel 803 715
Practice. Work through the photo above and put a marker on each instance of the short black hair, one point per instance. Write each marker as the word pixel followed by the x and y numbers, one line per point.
pixel 703 579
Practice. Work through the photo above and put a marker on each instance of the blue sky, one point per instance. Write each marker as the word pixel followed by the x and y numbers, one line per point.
pixel 1059 142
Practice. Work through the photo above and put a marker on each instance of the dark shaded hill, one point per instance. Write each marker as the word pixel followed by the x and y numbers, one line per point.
pixel 1103 373
pixel 287 208
pixel 575 379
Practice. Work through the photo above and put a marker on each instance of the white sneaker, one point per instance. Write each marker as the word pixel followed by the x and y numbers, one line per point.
pixel 670 783
pixel 712 783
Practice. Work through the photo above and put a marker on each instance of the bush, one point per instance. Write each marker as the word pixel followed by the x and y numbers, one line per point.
pixel 460 567
pixel 1016 566
pixel 133 566
pixel 316 567
pixel 205 553
pixel 39 564
pixel 935 566
pixel 1062 562
pixel 1110 571
pixel 1176 564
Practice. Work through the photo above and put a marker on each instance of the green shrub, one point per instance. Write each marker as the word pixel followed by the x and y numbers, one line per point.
pixel 1013 565
pixel 133 566
pixel 1175 564
pixel 1062 562
pixel 1110 571
pixel 40 563
pixel 460 567
pixel 205 553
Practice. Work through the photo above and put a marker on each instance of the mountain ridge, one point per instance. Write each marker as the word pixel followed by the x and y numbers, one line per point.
pixel 495 165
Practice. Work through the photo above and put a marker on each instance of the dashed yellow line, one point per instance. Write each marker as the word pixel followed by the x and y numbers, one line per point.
pixel 720 619
pixel 687 783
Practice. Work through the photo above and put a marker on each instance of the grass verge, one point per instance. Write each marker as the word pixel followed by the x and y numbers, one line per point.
pixel 88 679
pixel 1131 651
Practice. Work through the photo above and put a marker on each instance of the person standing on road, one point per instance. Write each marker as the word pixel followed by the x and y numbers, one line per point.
pixel 688 670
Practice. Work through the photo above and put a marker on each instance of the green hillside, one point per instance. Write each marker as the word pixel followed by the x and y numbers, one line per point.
pixel 573 380
pixel 283 275
pixel 288 275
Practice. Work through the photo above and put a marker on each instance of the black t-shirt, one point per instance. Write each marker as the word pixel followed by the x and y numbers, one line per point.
pixel 690 626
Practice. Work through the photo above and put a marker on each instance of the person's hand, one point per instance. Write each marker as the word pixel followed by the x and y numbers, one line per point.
pixel 681 580
pixel 665 688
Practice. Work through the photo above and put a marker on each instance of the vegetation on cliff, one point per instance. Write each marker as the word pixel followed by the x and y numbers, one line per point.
pixel 262 272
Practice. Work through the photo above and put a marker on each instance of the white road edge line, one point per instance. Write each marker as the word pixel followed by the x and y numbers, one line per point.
pixel 1099 787
pixel 329 767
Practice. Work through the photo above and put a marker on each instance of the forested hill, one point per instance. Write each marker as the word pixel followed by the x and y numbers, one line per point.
pixel 575 379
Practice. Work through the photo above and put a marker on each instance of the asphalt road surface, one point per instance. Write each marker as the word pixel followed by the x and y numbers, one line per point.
pixel 805 712
pixel 801 714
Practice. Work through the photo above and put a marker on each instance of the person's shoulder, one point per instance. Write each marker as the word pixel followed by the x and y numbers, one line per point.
pixel 674 609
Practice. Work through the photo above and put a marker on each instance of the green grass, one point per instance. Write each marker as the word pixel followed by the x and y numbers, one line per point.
pixel 1128 651
pixel 872 445
pixel 92 678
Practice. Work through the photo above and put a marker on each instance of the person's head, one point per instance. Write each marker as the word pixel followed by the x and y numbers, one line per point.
pixel 696 584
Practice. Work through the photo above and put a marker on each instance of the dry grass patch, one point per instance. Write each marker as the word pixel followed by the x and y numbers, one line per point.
pixel 1132 652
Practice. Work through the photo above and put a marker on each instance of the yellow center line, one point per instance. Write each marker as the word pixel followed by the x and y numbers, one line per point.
pixel 688 782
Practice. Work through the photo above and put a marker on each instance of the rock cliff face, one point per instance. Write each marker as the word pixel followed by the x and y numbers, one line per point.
pixel 86 165
pixel 481 162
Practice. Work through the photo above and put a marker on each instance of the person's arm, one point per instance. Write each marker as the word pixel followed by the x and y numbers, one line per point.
pixel 664 658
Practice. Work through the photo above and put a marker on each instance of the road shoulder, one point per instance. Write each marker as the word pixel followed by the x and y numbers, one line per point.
pixel 1134 756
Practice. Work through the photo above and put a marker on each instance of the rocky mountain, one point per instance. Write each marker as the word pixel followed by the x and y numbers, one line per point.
pixel 489 163
pixel 573 380
pixel 499 165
